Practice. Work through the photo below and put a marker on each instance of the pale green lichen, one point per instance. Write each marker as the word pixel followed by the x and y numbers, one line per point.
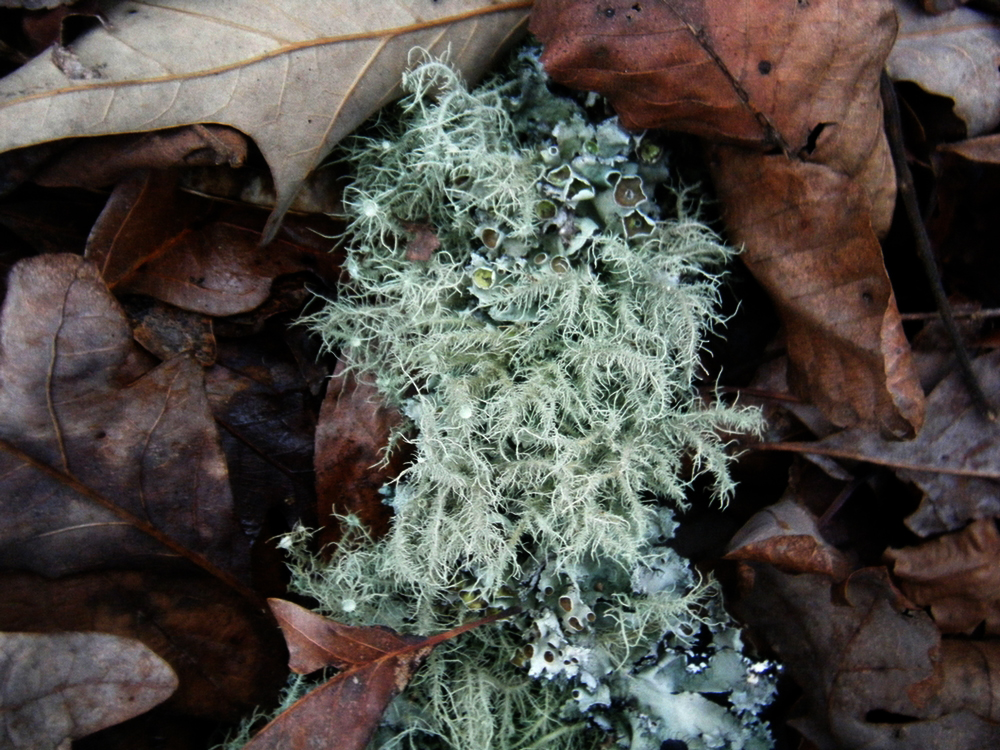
pixel 545 354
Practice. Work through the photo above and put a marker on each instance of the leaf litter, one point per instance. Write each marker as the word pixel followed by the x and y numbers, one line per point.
pixel 847 352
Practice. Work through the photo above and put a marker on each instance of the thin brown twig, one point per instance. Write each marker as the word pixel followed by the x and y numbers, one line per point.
pixel 908 197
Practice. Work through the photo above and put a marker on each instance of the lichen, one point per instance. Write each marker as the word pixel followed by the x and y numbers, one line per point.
pixel 545 355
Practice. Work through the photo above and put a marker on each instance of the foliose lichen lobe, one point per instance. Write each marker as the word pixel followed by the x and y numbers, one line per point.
pixel 545 353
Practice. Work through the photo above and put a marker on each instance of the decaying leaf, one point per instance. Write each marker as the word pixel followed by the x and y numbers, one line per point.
pixel 790 95
pixel 957 575
pixel 954 55
pixel 295 78
pixel 955 460
pixel 64 686
pixel 873 670
pixel 377 664
pixel 71 401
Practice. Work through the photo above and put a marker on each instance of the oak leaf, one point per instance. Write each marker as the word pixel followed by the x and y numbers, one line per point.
pixel 789 95
pixel 64 686
pixel 296 77
pixel 376 663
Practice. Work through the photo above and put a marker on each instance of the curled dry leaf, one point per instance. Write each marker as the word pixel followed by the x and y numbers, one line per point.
pixel 296 77
pixel 786 535
pixel 872 669
pixel 377 664
pixel 957 575
pixel 148 445
pixel 789 93
pixel 64 686
pixel 954 55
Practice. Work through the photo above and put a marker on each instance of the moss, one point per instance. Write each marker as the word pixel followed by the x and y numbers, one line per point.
pixel 545 354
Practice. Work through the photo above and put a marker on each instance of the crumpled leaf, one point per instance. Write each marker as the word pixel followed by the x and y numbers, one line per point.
pixel 786 535
pixel 790 95
pixel 226 653
pixel 955 460
pixel 63 686
pixel 296 77
pixel 954 55
pixel 145 442
pixel 377 664
pixel 872 669
pixel 957 575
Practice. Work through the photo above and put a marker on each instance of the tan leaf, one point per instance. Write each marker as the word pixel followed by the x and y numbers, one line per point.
pixel 63 686
pixel 344 713
pixel 957 575
pixel 296 77
pixel 800 80
pixel 74 433
pixel 954 55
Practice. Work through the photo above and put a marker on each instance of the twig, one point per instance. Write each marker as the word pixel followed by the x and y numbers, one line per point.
pixel 908 196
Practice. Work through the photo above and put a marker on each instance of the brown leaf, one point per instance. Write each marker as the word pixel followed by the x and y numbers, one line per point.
pixel 64 686
pixel 351 439
pixel 99 162
pixel 870 667
pixel 802 79
pixel 957 575
pixel 148 447
pixel 785 534
pixel 344 712
pixel 955 56
pixel 154 241
pixel 955 460
pixel 227 654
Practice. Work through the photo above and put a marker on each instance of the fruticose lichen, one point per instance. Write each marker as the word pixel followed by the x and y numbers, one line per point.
pixel 544 347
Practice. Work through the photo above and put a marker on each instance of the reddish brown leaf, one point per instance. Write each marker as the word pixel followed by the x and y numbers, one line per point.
pixel 351 439
pixel 344 712
pixel 152 240
pixel 957 575
pixel 102 161
pixel 785 534
pixel 871 668
pixel 148 446
pixel 227 654
pixel 802 79
pixel 64 686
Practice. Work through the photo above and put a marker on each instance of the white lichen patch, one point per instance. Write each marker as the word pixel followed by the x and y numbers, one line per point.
pixel 545 355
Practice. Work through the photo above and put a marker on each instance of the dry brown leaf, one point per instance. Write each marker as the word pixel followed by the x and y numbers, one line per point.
pixel 64 686
pixel 871 668
pixel 377 662
pixel 786 535
pixel 955 460
pixel 296 77
pixel 954 55
pixel 351 438
pixel 800 80
pixel 227 655
pixel 147 445
pixel 957 575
